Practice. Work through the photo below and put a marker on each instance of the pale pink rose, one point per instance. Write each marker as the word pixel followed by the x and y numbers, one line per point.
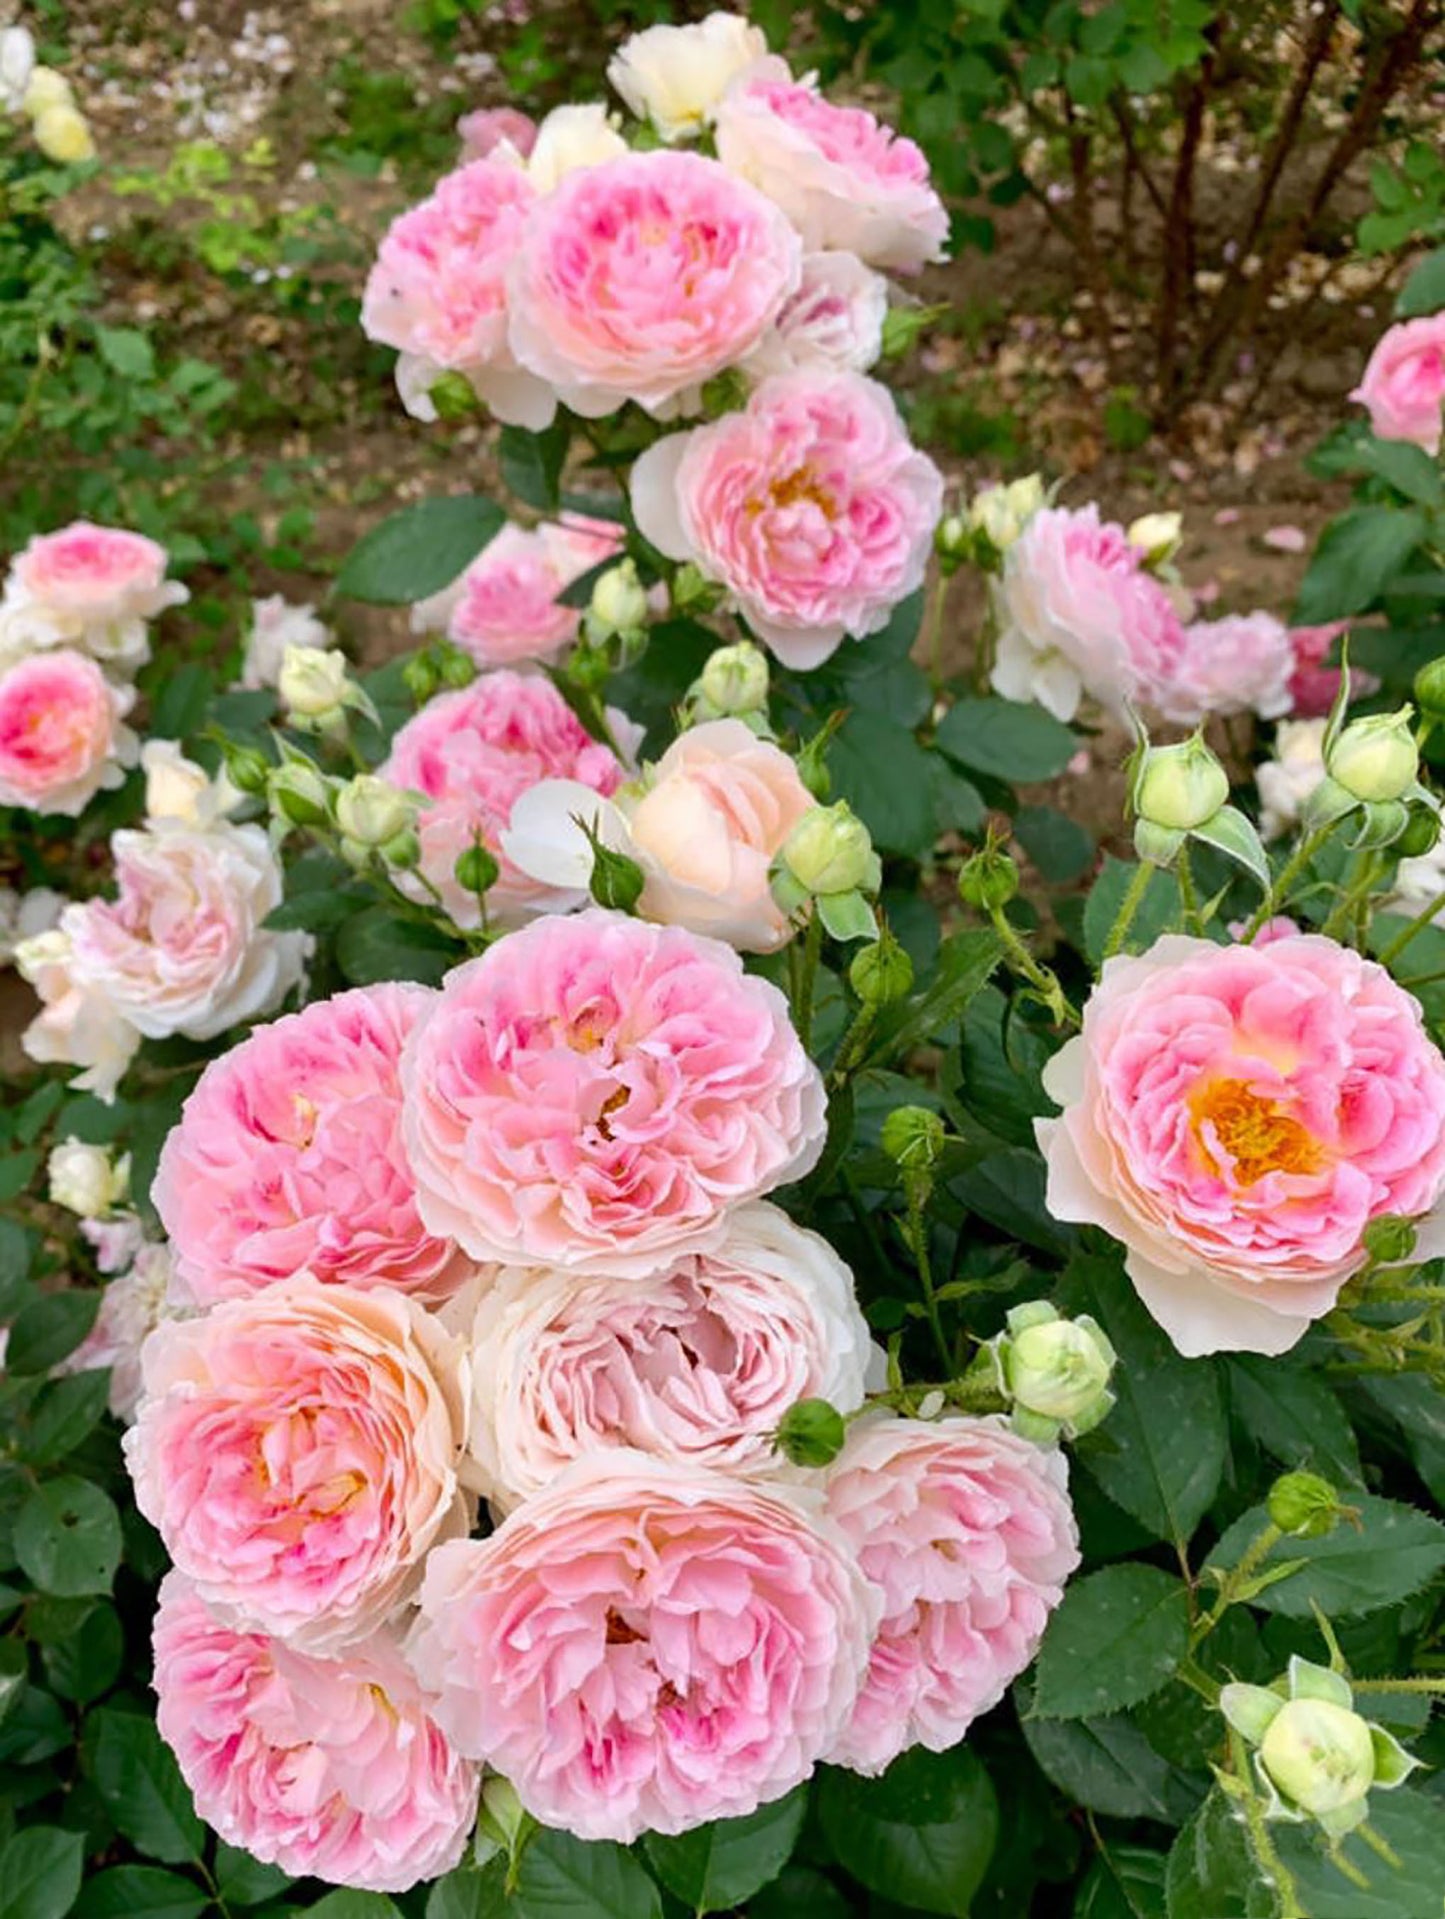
pixel 99 576
pixel 644 1647
pixel 1079 614
pixel 594 1093
pixel 115 1241
pixel 843 179
pixel 297 1451
pixel 77 1024
pixel 288 1154
pixel 1281 927
pixel 505 608
pixel 643 277
pixel 332 1769
pixel 1236 1116
pixel 62 736
pixel 438 290
pixel 472 754
pixel 810 505
pixel 1242 663
pixel 834 320
pixel 482 132
pixel 704 825
pixel 1314 686
pixel 696 1364
pixel 182 948
pixel 132 1305
pixel 967 1533
pixel 277 623
pixel 1403 384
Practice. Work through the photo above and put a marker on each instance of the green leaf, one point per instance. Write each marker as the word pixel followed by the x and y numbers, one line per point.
pixel 136 1774
pixel 1124 1882
pixel 1116 1637
pixel 1211 1874
pixel 180 706
pixel 1407 468
pixel 67 1538
pixel 882 772
pixel 532 462
pixel 140 1892
pixel 1010 741
pixel 1157 911
pixel 16 1172
pixel 418 551
pixel 965 962
pixel 244 1881
pixel 722 1864
pixel 1390 1552
pixel 566 1878
pixel 1107 1765
pixel 1059 847
pixel 17 1249
pixel 1424 290
pixel 14 1665
pixel 86 1663
pixel 49 1329
pixel 1294 1416
pixel 376 945
pixel 126 352
pixel 67 1411
pixel 469 1894
pixel 922 1834
pixel 40 1873
pixel 800 1893
pixel 1354 560
pixel 1412 1823
pixel 1161 1452
pixel 349 1902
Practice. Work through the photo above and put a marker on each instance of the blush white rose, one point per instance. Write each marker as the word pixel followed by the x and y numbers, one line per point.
pixel 675 76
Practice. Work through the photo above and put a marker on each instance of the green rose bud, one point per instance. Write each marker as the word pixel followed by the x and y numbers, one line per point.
pixel 403 851
pixel 1304 1506
pixel 829 851
pixel 913 1138
pixel 691 593
pixel 1179 787
pixel 476 869
pixel 1001 513
pixel 300 793
pixel 247 767
pixel 453 397
pixel 372 811
pixel 881 972
pixel 1430 689
pixel 313 685
pixel 988 881
pixel 616 880
pixel 1057 1369
pixel 619 603
pixel 1376 758
pixel 454 668
pixel 1389 1240
pixel 1319 1756
pixel 735 679
pixel 812 1433
pixel 953 543
pixel 420 677
pixel 1158 536
pixel 1421 834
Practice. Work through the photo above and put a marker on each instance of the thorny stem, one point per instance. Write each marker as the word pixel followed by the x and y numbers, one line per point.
pixel 1188 897
pixel 917 1193
pixel 1234 1581
pixel 1268 1860
pixel 1128 907
pixel 1040 977
pixel 808 978
pixel 1353 896
pixel 937 605
pixel 1279 888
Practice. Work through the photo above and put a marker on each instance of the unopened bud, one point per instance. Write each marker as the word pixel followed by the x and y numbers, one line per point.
pixel 1157 536
pixel 402 850
pixel 84 1180
pixel 1056 1370
pixel 953 543
pixel 300 793
pixel 617 881
pixel 1389 1240
pixel 913 1138
pixel 1376 759
pixel 881 972
pixel 735 679
pixel 619 603
pixel 1430 689
pixel 420 677
pixel 988 880
pixel 1304 1505
pixel 247 767
pixel 313 684
pixel 812 1433
pixel 1179 787
pixel 1001 513
pixel 691 592
pixel 454 397
pixel 454 668
pixel 476 869
pixel 830 851
pixel 1422 832
pixel 372 811
pixel 1319 1756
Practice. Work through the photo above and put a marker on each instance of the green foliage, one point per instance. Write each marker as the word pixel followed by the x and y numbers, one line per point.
pixel 923 1833
pixel 1118 1636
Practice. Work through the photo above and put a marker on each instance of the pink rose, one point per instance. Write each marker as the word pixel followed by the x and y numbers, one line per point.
pixel 438 291
pixel 594 1093
pixel 1236 1116
pixel 967 1533
pixel 1404 383
pixel 643 277
pixel 1242 663
pixel 696 1364
pixel 843 179
pixel 61 732
pixel 810 506
pixel 1313 686
pixel 297 1450
pixel 472 754
pixel 483 131
pixel 132 1305
pixel 644 1647
pixel 704 826
pixel 833 321
pixel 182 948
pixel 77 1024
pixel 288 1155
pixel 1078 614
pixel 94 579
pixel 505 608
pixel 331 1769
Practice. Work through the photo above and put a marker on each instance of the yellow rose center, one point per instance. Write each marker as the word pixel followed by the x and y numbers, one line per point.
pixel 1258 1134
pixel 800 484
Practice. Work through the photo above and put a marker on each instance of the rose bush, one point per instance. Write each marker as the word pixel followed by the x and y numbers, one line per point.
pixel 631 1285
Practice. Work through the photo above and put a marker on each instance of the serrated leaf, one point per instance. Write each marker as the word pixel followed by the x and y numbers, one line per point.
pixel 1007 740
pixel 244 1881
pixel 375 945
pixel 1424 289
pixel 965 962
pixel 1384 1557
pixel 1115 1637
pixel 881 770
pixel 49 1329
pixel 136 1774
pixel 67 1411
pixel 1107 1765
pixel 532 462
pixel 566 1878
pixel 40 1873
pixel 350 1902
pixel 1294 1416
pixel 140 1892
pixel 1354 560
pixel 881 1832
pixel 1412 1824
pixel 1211 1873
pixel 68 1539
pixel 1161 1452
pixel 723 1863
pixel 416 552
pixel 1124 1882
pixel 468 1893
